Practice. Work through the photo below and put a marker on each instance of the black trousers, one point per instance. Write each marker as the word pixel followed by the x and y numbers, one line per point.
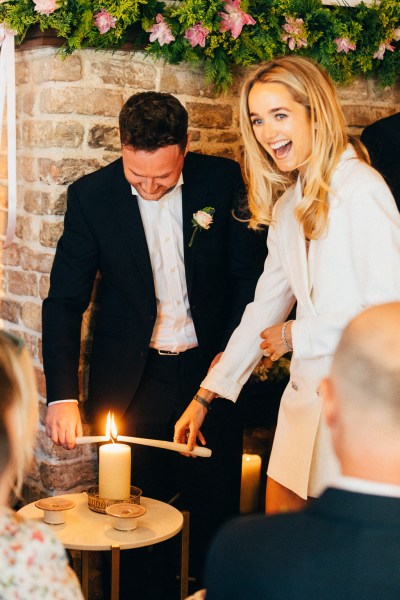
pixel 207 487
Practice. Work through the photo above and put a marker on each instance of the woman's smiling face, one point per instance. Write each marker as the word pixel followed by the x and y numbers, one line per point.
pixel 281 125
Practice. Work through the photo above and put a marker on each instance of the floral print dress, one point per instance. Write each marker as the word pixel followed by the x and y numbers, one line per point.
pixel 33 563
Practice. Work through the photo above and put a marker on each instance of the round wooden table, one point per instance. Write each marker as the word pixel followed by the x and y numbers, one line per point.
pixel 86 530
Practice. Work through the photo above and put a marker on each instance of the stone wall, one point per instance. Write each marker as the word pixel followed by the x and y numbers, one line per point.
pixel 67 126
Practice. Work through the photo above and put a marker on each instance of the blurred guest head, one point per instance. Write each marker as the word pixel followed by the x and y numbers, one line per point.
pixel 18 414
pixel 362 395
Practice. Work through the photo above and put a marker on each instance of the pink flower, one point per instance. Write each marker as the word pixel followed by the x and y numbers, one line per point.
pixel 396 35
pixel 46 7
pixel 234 18
pixel 295 34
pixel 197 35
pixel 344 45
pixel 161 32
pixel 104 21
pixel 203 219
pixel 382 49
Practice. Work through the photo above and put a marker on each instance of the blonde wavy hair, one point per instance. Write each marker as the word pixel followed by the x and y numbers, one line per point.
pixel 311 87
pixel 18 412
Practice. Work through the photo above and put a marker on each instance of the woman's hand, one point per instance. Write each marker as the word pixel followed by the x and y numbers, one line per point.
pixel 273 345
pixel 187 428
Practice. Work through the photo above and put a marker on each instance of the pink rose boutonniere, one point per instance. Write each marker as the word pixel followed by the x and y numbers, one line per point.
pixel 202 219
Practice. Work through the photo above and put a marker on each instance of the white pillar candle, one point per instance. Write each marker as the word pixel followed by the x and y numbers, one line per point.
pixel 250 487
pixel 115 471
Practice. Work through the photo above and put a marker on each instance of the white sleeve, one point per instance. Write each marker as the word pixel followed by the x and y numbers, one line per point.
pixel 373 227
pixel 272 303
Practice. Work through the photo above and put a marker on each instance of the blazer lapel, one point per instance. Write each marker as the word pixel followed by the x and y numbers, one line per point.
pixel 295 250
pixel 313 258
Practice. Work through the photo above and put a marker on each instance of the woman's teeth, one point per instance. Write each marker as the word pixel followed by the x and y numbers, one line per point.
pixel 281 148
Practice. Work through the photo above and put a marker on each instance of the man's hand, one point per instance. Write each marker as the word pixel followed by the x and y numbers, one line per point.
pixel 273 345
pixel 63 424
pixel 187 428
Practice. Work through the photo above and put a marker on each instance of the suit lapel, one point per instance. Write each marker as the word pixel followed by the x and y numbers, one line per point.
pixel 132 230
pixel 194 198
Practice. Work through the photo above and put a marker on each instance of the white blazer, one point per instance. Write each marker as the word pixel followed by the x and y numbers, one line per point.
pixel 356 264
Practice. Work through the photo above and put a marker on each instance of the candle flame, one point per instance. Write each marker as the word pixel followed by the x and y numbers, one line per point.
pixel 111 428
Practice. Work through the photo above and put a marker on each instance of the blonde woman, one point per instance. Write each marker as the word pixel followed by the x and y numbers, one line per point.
pixel 33 562
pixel 334 248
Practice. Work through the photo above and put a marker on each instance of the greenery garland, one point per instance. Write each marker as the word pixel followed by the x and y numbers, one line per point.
pixel 224 34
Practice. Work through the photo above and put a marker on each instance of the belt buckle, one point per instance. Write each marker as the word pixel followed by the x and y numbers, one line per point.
pixel 167 353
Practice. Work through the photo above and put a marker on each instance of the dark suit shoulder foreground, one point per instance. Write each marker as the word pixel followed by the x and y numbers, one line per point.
pixel 345 546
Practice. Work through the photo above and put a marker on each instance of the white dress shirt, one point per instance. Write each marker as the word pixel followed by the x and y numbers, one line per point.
pixel 365 486
pixel 162 222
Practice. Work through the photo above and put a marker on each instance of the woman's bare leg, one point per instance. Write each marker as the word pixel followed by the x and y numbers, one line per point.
pixel 280 499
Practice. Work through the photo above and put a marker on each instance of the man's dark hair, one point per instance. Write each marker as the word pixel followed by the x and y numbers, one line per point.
pixel 152 120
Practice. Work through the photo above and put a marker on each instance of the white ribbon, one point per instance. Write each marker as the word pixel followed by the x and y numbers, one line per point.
pixel 7 96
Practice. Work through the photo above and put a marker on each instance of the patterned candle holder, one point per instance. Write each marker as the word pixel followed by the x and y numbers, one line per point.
pixel 98 504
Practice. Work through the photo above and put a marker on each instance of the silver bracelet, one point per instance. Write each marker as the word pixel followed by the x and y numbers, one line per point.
pixel 284 340
pixel 202 401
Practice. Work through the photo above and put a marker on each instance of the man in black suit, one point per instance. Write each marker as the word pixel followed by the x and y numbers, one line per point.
pixel 171 291
pixel 346 544
pixel 382 140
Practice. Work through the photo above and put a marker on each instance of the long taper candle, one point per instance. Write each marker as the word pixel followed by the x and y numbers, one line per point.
pixel 91 439
pixel 197 450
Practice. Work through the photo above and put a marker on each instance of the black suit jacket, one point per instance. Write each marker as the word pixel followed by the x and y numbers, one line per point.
pixel 382 141
pixel 103 233
pixel 345 546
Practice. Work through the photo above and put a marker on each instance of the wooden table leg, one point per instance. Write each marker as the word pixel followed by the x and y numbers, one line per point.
pixel 115 570
pixel 185 555
pixel 85 573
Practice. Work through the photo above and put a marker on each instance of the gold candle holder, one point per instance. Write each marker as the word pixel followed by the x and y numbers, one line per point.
pixel 98 504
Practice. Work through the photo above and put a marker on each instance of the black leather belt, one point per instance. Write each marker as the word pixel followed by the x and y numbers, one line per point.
pixel 169 352
pixel 156 352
